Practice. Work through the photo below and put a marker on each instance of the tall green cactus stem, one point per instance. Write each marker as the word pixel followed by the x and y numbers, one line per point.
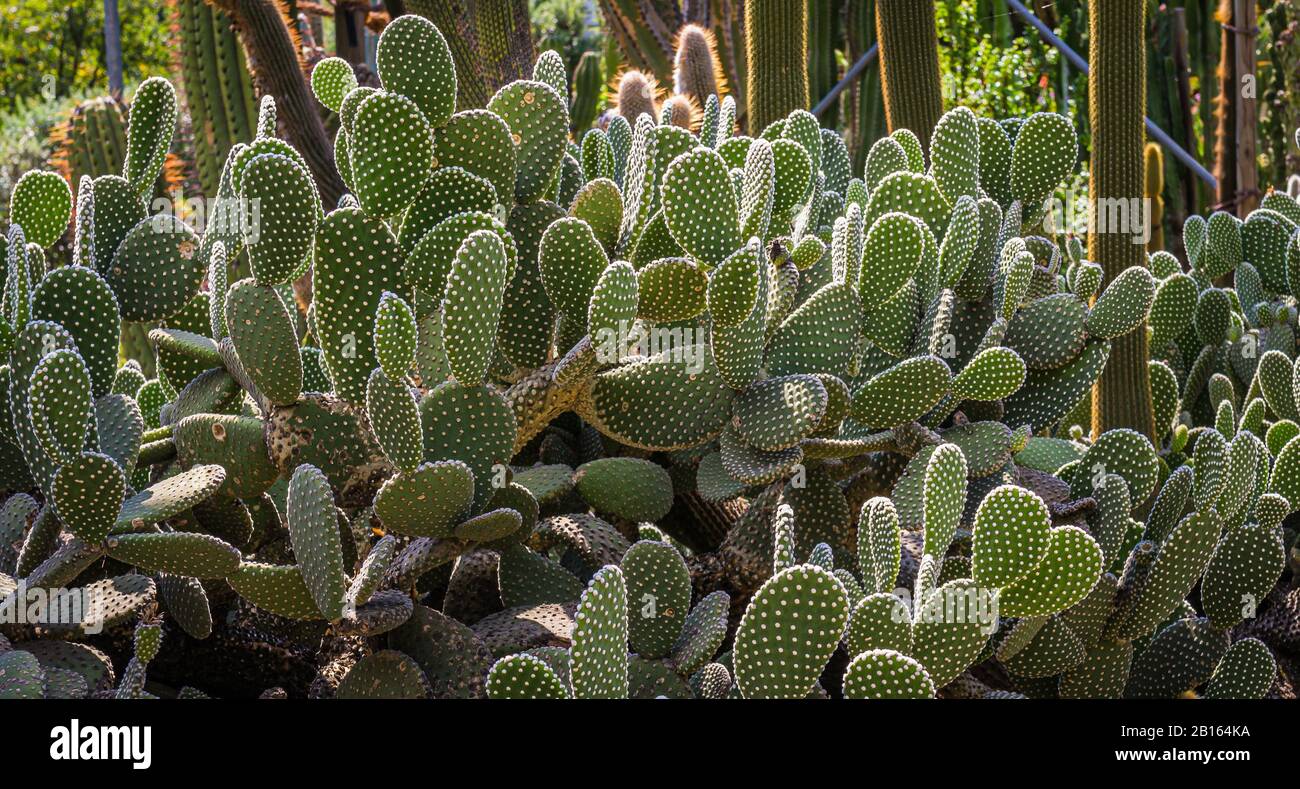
pixel 588 84
pixel 278 72
pixel 776 46
pixel 92 141
pixel 455 21
pixel 824 34
pixel 218 87
pixel 909 66
pixel 505 40
pixel 1117 104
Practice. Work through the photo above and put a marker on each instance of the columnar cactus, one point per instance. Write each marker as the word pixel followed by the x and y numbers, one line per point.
pixel 1117 106
pixel 909 66
pixel 776 57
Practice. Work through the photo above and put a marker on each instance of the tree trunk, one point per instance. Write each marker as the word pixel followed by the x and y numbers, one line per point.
pixel 113 48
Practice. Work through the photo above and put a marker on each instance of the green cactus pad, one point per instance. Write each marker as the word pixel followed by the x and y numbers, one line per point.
pixel 890 256
pixel 471 424
pixel 314 535
pixel 910 193
pixel 396 336
pixel 571 262
pixel 427 502
pixel 1045 150
pixel 598 655
pixel 41 203
pixel 1173 309
pixel 629 488
pixel 950 629
pixel 149 134
pixel 59 404
pixel 285 218
pixel 387 674
pixel 734 287
pixel 414 60
pixel 1067 573
pixel 395 419
pixel 21 676
pixel 489 526
pixel 1213 316
pixel 524 676
pixel 1011 536
pixel 1246 565
pixel 1180 657
pixel 1124 304
pixel 943 497
pixel 600 204
pixel 1048 333
pixel 700 206
pixel 993 374
pixel 614 303
pixel 331 80
pixel 234 442
pixel 538 121
pixel 157 269
pixel 819 336
pixel 778 413
pixel 879 621
pixel 528 578
pixel 472 305
pixel 357 260
pixel 671 289
pixel 1223 245
pixel 1048 395
pixel 276 589
pixel 955 154
pixel 391 150
pixel 1246 671
pixel 886 674
pixel 879 545
pixel 1182 558
pixel 1124 452
pixel 901 393
pixel 658 597
pixel 789 631
pixel 264 338
pixel 794 177
pixel 450 191
pixel 169 497
pixel 87 493
pixel 697 404
pixel 180 553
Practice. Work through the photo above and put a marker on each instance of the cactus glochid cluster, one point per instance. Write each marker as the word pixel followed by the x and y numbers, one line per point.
pixel 643 409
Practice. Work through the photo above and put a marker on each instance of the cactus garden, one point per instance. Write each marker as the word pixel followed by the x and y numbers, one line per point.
pixel 550 350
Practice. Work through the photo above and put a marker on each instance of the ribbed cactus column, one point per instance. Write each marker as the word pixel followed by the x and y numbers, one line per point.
pixel 1117 104
pixel 909 65
pixel 776 43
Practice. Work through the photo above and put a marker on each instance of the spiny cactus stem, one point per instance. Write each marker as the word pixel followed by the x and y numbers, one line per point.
pixel 280 74
pixel 776 38
pixel 1122 396
pixel 909 66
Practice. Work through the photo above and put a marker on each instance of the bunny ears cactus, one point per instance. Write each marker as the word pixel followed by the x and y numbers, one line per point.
pixel 642 412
